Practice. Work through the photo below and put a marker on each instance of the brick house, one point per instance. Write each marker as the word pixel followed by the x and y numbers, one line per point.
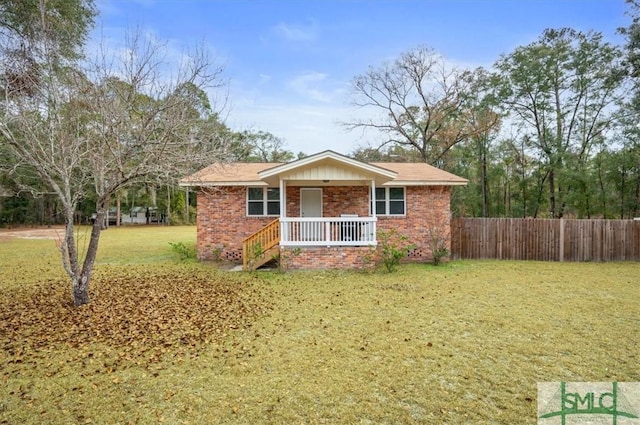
pixel 319 212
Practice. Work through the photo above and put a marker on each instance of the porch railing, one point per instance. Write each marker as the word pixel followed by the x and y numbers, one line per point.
pixel 328 231
pixel 257 244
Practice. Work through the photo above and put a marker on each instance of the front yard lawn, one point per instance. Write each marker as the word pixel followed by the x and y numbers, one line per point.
pixel 179 342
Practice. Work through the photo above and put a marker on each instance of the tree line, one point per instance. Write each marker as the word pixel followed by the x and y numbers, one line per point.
pixel 550 131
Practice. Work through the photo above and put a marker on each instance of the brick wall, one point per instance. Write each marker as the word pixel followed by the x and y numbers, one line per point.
pixel 223 224
pixel 293 201
pixel 336 200
pixel 327 258
pixel 428 207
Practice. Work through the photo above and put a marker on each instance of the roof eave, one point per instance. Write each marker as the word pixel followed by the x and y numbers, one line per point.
pixel 230 183
pixel 425 183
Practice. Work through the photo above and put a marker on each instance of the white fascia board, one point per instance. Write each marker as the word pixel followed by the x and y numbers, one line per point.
pixel 212 184
pixel 425 183
pixel 327 155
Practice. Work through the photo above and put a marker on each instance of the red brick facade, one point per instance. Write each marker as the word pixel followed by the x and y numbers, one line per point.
pixel 427 211
pixel 223 224
pixel 322 257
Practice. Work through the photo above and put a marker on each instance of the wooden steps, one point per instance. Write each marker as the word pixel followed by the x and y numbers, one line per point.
pixel 262 246
pixel 262 259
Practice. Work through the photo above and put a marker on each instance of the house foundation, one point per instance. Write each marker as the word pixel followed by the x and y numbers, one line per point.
pixel 328 258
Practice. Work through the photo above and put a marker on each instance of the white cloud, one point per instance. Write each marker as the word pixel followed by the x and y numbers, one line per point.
pixel 307 86
pixel 305 127
pixel 307 116
pixel 263 78
pixel 294 32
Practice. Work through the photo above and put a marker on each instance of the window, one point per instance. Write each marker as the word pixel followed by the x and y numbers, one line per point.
pixel 263 201
pixel 390 201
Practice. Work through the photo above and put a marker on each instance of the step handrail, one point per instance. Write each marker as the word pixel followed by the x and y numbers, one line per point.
pixel 258 243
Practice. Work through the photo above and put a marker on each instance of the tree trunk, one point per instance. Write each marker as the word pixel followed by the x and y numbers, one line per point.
pixel 80 291
pixel 168 216
pixel 560 202
pixel 485 185
pixel 636 206
pixel 552 194
pixel 118 213
pixel 81 281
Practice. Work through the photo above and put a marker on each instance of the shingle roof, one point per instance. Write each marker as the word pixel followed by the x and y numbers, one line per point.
pixel 414 172
pixel 231 174
pixel 244 174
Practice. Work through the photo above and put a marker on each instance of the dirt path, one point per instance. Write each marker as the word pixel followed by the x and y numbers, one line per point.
pixel 53 232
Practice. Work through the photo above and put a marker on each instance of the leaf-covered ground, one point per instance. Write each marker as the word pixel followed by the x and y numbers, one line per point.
pixel 179 342
pixel 138 315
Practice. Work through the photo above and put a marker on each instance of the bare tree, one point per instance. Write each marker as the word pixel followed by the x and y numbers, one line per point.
pixel 423 103
pixel 123 120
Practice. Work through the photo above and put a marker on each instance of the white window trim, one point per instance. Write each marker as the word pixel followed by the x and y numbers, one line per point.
pixel 265 201
pixel 386 202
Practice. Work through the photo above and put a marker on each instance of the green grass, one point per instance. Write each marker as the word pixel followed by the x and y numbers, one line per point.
pixel 462 343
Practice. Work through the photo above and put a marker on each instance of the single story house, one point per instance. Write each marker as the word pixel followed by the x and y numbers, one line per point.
pixel 319 212
pixel 142 215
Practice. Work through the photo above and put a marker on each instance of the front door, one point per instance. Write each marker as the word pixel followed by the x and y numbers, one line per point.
pixel 311 206
pixel 310 202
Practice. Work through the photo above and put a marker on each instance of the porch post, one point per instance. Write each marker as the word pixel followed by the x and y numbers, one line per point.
pixel 284 235
pixel 283 199
pixel 372 207
pixel 372 231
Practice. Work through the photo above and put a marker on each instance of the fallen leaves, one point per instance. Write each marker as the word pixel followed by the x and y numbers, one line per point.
pixel 137 315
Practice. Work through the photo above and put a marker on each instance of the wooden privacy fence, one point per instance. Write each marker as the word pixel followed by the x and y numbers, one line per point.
pixel 545 239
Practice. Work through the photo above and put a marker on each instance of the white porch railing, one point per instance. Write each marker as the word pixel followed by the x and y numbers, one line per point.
pixel 328 231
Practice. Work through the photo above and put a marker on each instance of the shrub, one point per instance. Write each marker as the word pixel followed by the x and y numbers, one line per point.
pixel 438 245
pixel 395 246
pixel 439 254
pixel 217 252
pixel 184 251
pixel 255 250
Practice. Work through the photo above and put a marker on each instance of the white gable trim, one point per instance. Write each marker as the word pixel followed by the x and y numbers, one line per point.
pixel 310 160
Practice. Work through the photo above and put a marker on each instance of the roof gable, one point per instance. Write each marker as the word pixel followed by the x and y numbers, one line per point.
pixel 327 165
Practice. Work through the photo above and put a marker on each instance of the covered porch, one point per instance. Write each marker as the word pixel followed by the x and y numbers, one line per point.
pixel 328 231
pixel 324 201
pixel 298 232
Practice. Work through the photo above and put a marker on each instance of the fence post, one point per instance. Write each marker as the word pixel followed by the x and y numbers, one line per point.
pixel 561 253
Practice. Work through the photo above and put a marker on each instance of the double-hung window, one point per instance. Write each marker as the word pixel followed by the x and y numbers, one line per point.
pixel 390 201
pixel 263 201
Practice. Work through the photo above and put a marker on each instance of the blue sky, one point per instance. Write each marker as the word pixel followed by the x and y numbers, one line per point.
pixel 289 63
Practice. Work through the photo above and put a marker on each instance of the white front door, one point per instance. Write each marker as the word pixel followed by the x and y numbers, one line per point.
pixel 311 206
pixel 310 202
